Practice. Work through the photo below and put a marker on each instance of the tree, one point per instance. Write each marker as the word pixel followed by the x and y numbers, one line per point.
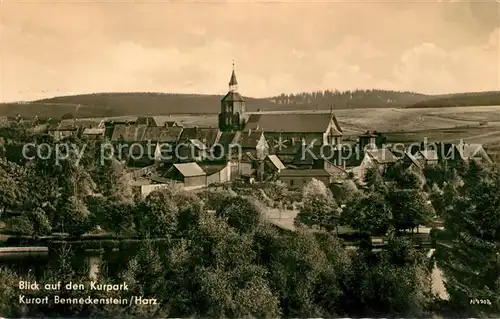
pixel 241 213
pixel 345 192
pixel 146 277
pixel 33 223
pixel 73 217
pixel 373 178
pixel 157 215
pixel 471 263
pixel 410 208
pixel 410 179
pixel 319 208
pixel 369 213
pixel 11 187
pixel 9 294
pixel 391 283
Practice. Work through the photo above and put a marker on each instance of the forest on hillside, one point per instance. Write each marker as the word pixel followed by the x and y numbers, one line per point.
pixel 121 104
pixel 461 99
pixel 349 99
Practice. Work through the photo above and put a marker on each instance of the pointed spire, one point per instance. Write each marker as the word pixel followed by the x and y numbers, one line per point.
pixel 233 83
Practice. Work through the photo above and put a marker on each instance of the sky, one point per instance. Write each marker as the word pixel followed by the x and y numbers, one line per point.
pixel 55 48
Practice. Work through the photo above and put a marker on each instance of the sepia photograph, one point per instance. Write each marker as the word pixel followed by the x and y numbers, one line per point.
pixel 249 159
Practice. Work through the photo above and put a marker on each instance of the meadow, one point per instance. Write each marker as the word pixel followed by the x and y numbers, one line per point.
pixel 479 124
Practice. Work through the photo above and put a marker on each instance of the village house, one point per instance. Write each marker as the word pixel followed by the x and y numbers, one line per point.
pixel 191 175
pixel 172 124
pixel 427 156
pixel 410 163
pixel 272 167
pixel 93 133
pixel 297 178
pixel 216 173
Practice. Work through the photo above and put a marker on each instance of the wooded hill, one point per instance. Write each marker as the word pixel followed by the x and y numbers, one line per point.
pixel 120 104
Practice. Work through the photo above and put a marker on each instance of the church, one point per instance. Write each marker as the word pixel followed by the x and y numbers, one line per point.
pixel 279 133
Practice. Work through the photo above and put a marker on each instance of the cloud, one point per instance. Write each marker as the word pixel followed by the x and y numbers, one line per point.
pixel 285 47
pixel 428 68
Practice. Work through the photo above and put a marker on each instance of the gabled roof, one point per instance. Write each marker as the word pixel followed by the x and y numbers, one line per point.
pixel 289 122
pixel 162 134
pixel 472 151
pixel 189 169
pixel 410 159
pixel 134 133
pixel 127 133
pixel 208 136
pixel 276 162
pixel 429 155
pixel 382 156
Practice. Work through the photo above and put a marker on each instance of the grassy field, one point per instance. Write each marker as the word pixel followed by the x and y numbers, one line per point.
pixel 471 124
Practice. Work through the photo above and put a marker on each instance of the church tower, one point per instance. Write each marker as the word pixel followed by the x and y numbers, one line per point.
pixel 232 108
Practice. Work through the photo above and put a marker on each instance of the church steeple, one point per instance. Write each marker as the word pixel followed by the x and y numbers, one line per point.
pixel 232 114
pixel 233 83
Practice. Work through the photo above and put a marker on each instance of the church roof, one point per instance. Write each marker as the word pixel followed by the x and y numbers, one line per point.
pixel 297 123
pixel 249 139
pixel 233 80
pixel 232 96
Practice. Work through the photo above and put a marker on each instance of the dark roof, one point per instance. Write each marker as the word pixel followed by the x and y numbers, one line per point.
pixel 286 158
pixel 146 120
pixel 249 139
pixel 144 148
pixel 299 123
pixel 162 134
pixel 208 136
pixel 226 138
pixel 382 156
pixel 284 147
pixel 408 160
pixel 128 133
pixel 134 133
pixel 233 96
